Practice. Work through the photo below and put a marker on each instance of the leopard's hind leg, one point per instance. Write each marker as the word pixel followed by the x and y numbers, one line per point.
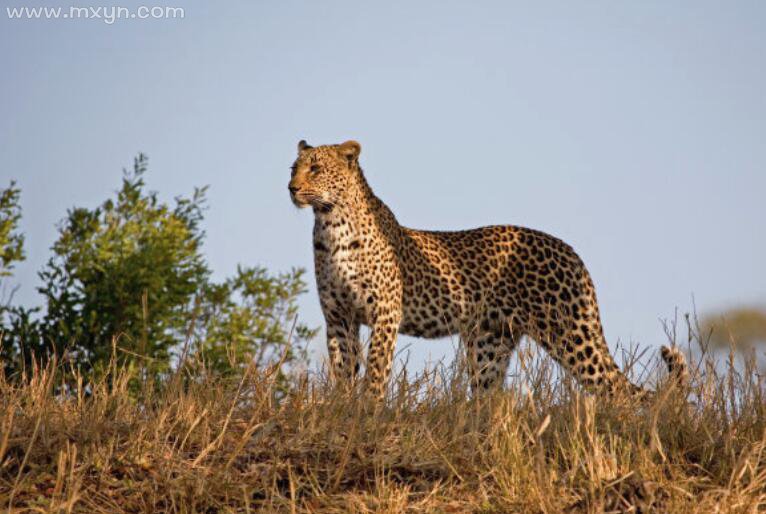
pixel 488 351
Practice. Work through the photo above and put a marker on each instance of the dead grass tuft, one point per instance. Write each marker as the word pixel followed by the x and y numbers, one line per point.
pixel 226 445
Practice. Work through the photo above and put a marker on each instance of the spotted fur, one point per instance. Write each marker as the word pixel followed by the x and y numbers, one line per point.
pixel 492 285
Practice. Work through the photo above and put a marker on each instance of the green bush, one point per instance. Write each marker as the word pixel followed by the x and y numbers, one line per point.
pixel 130 274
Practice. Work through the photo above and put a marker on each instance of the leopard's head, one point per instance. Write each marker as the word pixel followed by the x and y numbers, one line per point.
pixel 322 176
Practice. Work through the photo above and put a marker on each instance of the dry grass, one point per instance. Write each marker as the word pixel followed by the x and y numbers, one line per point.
pixel 238 446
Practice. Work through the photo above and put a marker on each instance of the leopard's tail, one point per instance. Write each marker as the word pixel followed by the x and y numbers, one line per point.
pixel 678 374
pixel 678 370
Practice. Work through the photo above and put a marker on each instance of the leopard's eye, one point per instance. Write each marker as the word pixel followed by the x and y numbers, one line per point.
pixel 314 168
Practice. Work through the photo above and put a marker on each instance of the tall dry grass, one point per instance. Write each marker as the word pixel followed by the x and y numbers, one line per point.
pixel 243 445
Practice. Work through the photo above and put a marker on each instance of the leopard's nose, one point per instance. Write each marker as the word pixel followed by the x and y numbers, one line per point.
pixel 292 189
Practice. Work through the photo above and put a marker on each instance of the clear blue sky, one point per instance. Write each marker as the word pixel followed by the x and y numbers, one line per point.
pixel 636 131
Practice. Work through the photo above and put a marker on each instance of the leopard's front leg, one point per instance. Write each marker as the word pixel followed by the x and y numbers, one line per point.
pixel 344 349
pixel 380 357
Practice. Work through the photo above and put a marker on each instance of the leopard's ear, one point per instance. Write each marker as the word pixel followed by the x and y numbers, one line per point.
pixel 303 146
pixel 350 150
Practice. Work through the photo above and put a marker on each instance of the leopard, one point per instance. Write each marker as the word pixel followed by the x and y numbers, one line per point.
pixel 491 286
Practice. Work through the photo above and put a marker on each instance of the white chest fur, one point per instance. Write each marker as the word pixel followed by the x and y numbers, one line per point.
pixel 337 258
